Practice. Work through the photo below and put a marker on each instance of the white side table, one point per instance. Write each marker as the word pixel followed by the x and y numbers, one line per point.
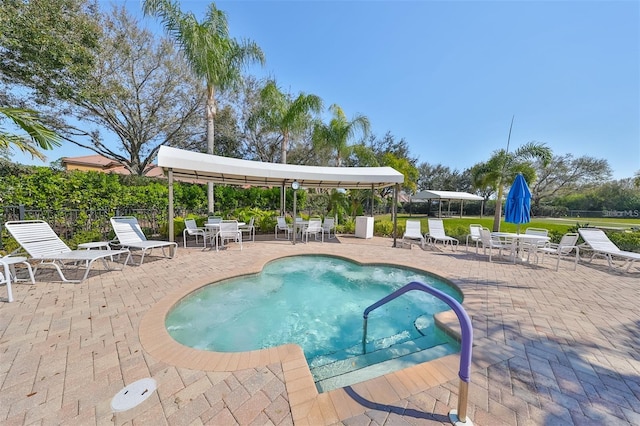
pixel 8 272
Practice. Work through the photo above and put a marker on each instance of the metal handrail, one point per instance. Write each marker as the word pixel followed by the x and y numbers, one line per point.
pixel 464 373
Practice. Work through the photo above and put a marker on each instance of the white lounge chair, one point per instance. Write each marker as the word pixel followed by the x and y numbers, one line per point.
pixel 314 227
pixel 283 226
pixel 229 231
pixel 413 232
pixel 191 228
pixel 41 243
pixel 597 241
pixel 564 248
pixel 436 233
pixel 130 236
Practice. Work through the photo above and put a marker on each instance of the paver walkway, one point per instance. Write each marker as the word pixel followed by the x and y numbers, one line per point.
pixel 551 348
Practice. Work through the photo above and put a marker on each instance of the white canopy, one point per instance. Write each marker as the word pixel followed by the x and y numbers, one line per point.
pixel 212 168
pixel 428 194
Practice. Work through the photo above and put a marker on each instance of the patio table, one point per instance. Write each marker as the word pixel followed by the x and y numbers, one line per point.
pixel 520 240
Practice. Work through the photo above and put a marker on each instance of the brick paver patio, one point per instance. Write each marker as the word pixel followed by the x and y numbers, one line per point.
pixel 550 348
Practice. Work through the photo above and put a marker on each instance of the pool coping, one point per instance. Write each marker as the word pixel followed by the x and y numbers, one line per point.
pixel 307 405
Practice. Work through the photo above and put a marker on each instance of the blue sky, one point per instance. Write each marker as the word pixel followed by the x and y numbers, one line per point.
pixel 447 76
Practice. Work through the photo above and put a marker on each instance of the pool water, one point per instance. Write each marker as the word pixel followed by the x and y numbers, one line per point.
pixel 316 302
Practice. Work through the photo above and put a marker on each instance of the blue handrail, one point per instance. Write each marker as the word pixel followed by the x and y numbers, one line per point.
pixel 466 336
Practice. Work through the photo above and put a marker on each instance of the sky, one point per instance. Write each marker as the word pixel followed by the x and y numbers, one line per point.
pixel 449 76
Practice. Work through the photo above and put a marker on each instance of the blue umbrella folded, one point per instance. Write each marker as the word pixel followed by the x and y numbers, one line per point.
pixel 518 207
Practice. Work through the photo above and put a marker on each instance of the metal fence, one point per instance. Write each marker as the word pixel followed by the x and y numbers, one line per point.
pixel 69 222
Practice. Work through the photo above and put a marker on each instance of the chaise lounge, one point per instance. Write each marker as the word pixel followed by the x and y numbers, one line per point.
pixel 130 236
pixel 41 243
pixel 597 241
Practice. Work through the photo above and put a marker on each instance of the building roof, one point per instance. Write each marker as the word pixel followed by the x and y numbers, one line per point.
pixel 428 194
pixel 106 165
pixel 213 168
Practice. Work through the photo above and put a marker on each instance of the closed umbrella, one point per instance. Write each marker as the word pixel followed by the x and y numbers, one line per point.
pixel 518 207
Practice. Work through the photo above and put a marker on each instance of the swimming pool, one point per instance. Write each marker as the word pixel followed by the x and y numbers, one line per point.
pixel 316 302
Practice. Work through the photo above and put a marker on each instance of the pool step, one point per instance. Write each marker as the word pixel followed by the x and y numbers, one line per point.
pixel 374 364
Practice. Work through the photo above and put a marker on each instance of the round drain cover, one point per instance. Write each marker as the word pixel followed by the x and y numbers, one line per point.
pixel 133 395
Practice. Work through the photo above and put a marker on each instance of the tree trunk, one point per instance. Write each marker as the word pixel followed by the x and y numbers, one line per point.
pixel 497 217
pixel 211 114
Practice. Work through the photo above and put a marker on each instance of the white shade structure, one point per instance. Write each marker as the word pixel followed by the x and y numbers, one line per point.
pixel 429 194
pixel 189 165
pixel 198 167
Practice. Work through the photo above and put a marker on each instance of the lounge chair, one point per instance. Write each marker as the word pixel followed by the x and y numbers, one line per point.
pixel 413 233
pixel 436 233
pixel 41 243
pixel 130 236
pixel 597 241
pixel 314 227
pixel 191 228
pixel 564 248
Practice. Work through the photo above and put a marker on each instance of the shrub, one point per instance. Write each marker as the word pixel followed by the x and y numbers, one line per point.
pixel 383 228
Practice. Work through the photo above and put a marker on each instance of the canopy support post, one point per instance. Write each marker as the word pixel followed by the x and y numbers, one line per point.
pixel 171 212
pixel 371 201
pixel 394 213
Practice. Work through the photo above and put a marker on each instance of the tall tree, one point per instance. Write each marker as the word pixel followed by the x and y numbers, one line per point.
pixel 500 170
pixel 142 92
pixel 288 117
pixel 47 46
pixel 337 134
pixel 38 136
pixel 565 174
pixel 213 55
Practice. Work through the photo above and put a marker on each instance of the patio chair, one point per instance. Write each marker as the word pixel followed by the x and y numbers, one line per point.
pixel 229 231
pixel 249 229
pixel 214 219
pixel 329 225
pixel 474 235
pixel 533 247
pixel 564 248
pixel 41 243
pixel 282 225
pixel 490 242
pixel 130 236
pixel 436 233
pixel 314 227
pixel 413 233
pixel 191 228
pixel 597 241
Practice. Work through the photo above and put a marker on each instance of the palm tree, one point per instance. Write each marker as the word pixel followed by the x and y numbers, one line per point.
pixel 40 137
pixel 213 55
pixel 288 117
pixel 339 131
pixel 503 166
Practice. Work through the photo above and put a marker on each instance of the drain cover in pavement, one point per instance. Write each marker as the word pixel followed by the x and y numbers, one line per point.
pixel 133 394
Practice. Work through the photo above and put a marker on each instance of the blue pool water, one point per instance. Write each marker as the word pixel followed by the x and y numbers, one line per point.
pixel 316 302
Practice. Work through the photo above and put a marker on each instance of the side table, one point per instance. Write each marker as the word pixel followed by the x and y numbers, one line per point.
pixel 8 272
